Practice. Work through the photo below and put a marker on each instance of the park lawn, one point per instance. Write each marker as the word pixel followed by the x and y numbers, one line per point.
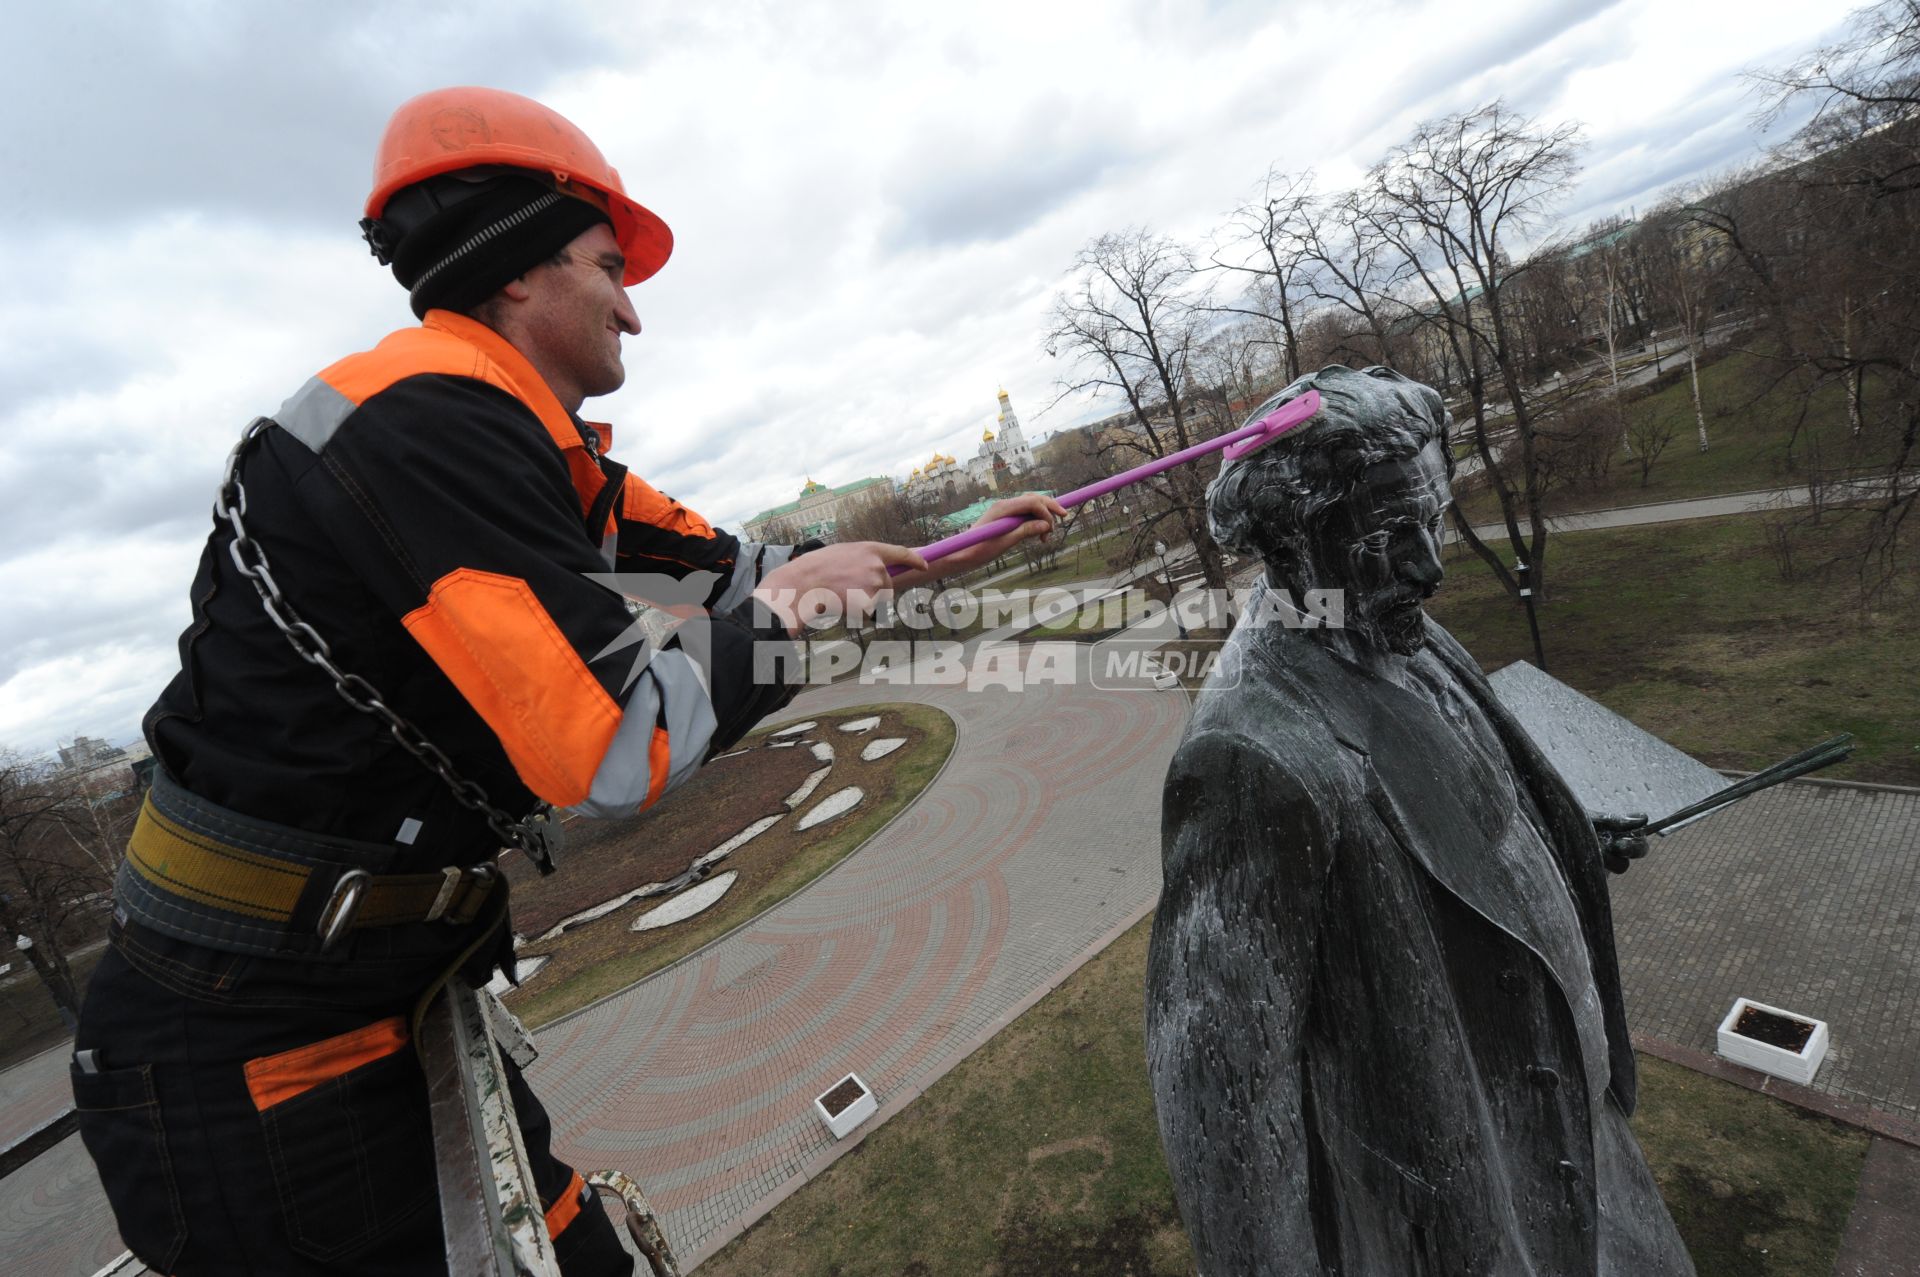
pixel 1688 630
pixel 609 957
pixel 1755 1185
pixel 1075 564
pixel 1747 433
pixel 1039 1155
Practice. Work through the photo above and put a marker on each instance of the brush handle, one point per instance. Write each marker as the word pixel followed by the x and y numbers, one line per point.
pixel 1284 418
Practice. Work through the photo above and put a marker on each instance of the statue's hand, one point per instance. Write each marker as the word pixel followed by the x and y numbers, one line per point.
pixel 1623 840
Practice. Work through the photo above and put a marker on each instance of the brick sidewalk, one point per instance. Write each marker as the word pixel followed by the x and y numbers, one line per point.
pixel 1806 897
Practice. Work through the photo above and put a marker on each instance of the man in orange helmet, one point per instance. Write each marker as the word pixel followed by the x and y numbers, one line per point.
pixel 401 658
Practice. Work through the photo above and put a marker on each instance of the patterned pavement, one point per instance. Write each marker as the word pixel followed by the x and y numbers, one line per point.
pixel 1039 838
pixel 1806 897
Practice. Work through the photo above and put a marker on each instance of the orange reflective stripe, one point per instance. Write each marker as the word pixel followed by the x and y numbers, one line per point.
pixel 491 637
pixel 643 502
pixel 455 346
pixel 273 1078
pixel 659 759
pixel 566 1207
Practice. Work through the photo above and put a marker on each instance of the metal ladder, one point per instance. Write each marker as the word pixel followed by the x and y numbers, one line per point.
pixel 489 1210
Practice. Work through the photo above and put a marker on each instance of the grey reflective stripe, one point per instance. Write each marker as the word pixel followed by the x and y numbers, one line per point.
pixel 751 562
pixel 313 413
pixel 669 693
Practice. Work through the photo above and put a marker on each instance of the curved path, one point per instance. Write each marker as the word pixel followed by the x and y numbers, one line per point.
pixel 1038 840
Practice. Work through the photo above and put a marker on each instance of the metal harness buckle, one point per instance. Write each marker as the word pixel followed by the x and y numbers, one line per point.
pixel 450 890
pixel 451 878
pixel 341 906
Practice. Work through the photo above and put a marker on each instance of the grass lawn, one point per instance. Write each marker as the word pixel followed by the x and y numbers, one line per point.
pixel 603 956
pixel 1086 561
pixel 1756 1186
pixel 1747 438
pixel 1688 630
pixel 1038 1155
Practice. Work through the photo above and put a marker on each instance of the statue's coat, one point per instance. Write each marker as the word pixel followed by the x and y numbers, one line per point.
pixel 1338 1089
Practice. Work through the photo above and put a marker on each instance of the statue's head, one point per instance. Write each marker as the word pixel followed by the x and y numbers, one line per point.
pixel 1352 500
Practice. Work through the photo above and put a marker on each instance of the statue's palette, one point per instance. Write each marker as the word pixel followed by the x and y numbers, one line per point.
pixel 1613 767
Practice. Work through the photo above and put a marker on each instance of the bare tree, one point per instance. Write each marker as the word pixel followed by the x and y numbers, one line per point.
pixel 50 877
pixel 1454 199
pixel 1688 261
pixel 1869 79
pixel 1269 241
pixel 1651 431
pixel 1826 249
pixel 1358 269
pixel 1127 325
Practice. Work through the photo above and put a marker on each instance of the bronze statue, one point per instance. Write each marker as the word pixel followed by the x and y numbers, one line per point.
pixel 1384 1021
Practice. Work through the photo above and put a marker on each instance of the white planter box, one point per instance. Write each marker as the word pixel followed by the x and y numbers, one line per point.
pixel 1794 1066
pixel 843 1122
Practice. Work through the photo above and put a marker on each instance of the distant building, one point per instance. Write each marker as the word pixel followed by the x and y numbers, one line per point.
pixel 87 753
pixel 1003 455
pixel 816 512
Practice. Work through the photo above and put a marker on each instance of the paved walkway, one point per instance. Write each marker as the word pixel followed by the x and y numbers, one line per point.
pixel 1883 1235
pixel 1663 512
pixel 1038 839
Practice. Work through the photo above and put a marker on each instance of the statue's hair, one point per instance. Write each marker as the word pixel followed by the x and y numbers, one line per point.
pixel 1266 502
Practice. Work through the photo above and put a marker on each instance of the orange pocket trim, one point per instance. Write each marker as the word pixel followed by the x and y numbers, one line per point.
pixel 272 1079
pixel 659 760
pixel 490 636
pixel 566 1208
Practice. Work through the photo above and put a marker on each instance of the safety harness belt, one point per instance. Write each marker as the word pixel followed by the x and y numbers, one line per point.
pixel 201 873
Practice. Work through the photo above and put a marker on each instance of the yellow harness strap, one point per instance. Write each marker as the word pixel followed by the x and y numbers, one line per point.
pixel 196 869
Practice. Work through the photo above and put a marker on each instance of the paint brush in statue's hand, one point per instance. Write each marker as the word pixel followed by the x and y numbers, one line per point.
pixel 1807 760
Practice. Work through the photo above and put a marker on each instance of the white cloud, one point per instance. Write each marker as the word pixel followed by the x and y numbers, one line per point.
pixel 872 207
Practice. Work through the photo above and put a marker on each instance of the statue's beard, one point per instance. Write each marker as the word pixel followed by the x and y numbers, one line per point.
pixel 1394 620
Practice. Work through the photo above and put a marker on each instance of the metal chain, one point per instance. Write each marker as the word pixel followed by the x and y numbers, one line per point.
pixel 532 835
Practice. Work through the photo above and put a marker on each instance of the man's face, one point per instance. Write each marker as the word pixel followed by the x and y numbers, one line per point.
pixel 1381 543
pixel 579 311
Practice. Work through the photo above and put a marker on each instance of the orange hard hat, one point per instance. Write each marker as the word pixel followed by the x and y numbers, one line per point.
pixel 462 128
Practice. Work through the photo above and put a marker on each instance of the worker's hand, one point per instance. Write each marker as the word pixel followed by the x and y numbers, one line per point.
pixel 833 583
pixel 1623 840
pixel 1042 514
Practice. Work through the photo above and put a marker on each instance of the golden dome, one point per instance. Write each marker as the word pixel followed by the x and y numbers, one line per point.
pixel 1003 392
pixel 986 436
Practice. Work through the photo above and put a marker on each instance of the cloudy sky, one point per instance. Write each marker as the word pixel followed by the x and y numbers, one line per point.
pixel 872 212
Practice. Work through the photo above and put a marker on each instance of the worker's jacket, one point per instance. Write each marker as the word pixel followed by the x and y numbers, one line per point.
pixel 439 518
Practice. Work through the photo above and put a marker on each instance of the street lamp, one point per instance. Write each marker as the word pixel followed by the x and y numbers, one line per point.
pixel 1166 573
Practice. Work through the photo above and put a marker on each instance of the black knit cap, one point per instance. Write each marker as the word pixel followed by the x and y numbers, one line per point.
pixel 463 252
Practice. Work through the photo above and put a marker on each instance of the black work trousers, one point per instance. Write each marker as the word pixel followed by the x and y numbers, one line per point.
pixel 252 1115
